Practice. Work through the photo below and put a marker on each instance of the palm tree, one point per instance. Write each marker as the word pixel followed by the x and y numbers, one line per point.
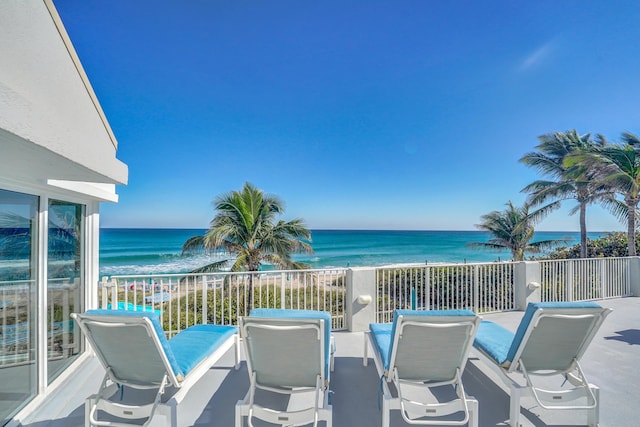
pixel 618 167
pixel 245 226
pixel 63 240
pixel 563 185
pixel 513 229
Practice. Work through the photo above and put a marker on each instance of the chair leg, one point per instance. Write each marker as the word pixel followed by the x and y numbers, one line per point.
pixel 593 415
pixel 87 410
pixel 514 410
pixel 173 415
pixel 332 352
pixel 386 410
pixel 473 412
pixel 365 358
pixel 328 416
pixel 239 412
pixel 236 344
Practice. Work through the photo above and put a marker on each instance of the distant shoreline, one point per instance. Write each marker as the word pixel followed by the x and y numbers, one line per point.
pixel 158 250
pixel 367 229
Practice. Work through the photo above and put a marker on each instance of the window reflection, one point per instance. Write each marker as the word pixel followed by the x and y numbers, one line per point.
pixel 18 234
pixel 64 283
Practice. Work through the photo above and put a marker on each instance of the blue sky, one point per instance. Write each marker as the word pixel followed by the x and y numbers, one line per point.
pixel 357 114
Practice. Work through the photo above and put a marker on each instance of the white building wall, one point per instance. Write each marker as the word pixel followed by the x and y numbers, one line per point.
pixel 55 143
pixel 45 97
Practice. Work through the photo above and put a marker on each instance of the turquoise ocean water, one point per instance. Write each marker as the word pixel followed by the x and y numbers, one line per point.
pixel 144 251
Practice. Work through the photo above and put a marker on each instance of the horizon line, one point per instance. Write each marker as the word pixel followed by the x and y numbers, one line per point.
pixel 367 229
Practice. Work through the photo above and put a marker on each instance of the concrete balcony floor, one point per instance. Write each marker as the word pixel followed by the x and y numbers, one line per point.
pixel 611 362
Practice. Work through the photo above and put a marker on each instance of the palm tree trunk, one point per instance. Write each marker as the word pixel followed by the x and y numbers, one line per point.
pixel 631 227
pixel 250 302
pixel 583 230
pixel 518 254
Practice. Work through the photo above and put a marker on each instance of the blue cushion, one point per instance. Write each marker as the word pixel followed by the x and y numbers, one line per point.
pixel 132 307
pixel 494 340
pixel 195 343
pixel 381 334
pixel 528 315
pixel 384 346
pixel 302 314
pixel 185 350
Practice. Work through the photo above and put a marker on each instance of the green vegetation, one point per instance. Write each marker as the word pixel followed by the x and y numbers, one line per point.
pixel 611 245
pixel 226 304
pixel 512 229
pixel 245 227
pixel 564 183
pixel 444 287
pixel 579 168
pixel 617 167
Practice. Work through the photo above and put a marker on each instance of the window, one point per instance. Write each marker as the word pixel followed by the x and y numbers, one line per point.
pixel 18 250
pixel 65 282
pixel 23 261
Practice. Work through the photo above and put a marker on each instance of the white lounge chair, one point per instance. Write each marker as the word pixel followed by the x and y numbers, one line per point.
pixel 550 340
pixel 135 353
pixel 421 350
pixel 288 352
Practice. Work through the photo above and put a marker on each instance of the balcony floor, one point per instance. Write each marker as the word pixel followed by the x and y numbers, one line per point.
pixel 610 362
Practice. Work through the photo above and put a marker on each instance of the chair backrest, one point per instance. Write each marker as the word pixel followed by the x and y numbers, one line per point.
pixel 130 345
pixel 431 345
pixel 553 336
pixel 286 351
pixel 302 314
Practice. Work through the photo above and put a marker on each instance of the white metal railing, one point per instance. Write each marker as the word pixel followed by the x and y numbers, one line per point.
pixel 182 300
pixel 16 326
pixel 63 298
pixel 585 279
pixel 482 287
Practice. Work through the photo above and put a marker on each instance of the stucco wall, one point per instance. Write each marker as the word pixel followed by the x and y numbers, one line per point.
pixel 43 98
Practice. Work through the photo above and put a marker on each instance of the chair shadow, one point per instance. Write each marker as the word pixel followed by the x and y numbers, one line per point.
pixel 494 402
pixel 220 408
pixel 75 418
pixel 356 399
pixel 354 387
pixel 630 336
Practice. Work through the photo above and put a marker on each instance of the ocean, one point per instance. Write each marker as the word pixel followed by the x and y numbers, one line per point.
pixel 128 251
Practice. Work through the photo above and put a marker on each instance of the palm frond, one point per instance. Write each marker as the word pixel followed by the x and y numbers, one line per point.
pixel 193 244
pixel 245 225
pixel 212 267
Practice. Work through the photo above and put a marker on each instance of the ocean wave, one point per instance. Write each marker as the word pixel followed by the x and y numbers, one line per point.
pixel 169 265
pixel 128 252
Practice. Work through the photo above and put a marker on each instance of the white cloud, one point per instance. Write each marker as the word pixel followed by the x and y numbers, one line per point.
pixel 537 56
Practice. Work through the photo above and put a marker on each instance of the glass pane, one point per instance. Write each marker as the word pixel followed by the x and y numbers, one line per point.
pixel 64 284
pixel 18 219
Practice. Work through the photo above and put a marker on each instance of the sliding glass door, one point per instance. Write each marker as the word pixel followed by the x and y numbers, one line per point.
pixel 18 255
pixel 65 272
pixel 42 279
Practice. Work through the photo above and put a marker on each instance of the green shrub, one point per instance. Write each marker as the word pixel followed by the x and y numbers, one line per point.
pixel 611 245
pixel 225 304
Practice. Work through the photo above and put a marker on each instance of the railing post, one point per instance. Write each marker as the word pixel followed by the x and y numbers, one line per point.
pixel 603 274
pixel 283 294
pixel 476 289
pixel 361 301
pixel 205 314
pixel 427 288
pixel 634 276
pixel 114 294
pixel 105 292
pixel 570 271
pixel 526 283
